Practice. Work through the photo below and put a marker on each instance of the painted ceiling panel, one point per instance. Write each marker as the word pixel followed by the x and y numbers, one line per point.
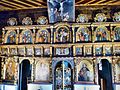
pixel 30 4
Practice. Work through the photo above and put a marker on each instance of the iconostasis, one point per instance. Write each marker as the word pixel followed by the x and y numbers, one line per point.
pixel 41 43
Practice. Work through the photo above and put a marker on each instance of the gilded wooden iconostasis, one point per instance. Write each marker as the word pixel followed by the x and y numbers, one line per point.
pixel 45 45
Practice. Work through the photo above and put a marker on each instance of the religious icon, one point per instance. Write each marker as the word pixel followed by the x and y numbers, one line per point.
pixel 83 34
pixel 42 36
pixel 88 50
pixel 117 34
pixel 11 38
pixel 62 51
pixel 84 73
pixel 101 34
pixel 27 37
pixel 116 50
pixel 98 51
pixel 13 51
pixel 42 66
pixel 46 51
pixel 78 50
pixel 21 51
pixel 62 35
pixel 38 51
pixel 10 70
pixel 108 50
pixel 58 12
pixel 4 51
pixel 29 51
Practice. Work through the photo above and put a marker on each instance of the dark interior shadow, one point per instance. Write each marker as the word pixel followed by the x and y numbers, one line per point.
pixel 24 72
pixel 106 75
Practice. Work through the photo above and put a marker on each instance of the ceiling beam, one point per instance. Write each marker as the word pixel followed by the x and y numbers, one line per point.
pixel 41 1
pixel 22 2
pixel 100 1
pixel 21 6
pixel 111 2
pixel 12 6
pixel 90 1
pixel 79 1
pixel 38 4
pixel 4 8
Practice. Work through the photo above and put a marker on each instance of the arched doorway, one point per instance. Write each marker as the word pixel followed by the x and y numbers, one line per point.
pixel 63 76
pixel 105 75
pixel 24 73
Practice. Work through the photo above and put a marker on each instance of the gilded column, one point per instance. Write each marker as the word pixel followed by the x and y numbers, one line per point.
pixel 33 35
pixel 50 65
pixel 16 69
pixel 112 33
pixel 52 34
pixel 93 39
pixel 95 70
pixel 74 53
pixel 2 67
pixel 33 70
pixel 114 70
pixel 73 30
pixel 3 35
pixel 18 36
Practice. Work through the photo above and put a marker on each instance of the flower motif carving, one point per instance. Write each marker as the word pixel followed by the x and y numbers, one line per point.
pixel 42 20
pixel 100 17
pixel 27 21
pixel 82 18
pixel 12 21
pixel 116 17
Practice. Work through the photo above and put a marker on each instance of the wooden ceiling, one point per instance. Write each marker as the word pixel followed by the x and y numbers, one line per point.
pixel 30 4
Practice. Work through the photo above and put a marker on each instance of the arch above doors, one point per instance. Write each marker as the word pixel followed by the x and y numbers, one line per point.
pixel 57 60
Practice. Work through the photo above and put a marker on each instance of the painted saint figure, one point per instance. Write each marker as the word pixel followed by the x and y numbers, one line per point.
pixel 101 35
pixel 43 36
pixel 62 35
pixel 27 37
pixel 84 74
pixel 11 37
pixel 10 70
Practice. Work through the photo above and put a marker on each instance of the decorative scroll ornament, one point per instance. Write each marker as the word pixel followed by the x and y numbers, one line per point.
pixel 12 21
pixel 116 17
pixel 42 20
pixel 27 21
pixel 100 17
pixel 82 18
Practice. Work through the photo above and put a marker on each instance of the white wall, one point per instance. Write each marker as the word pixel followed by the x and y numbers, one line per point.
pixel 39 86
pixel 116 86
pixel 8 87
pixel 86 87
